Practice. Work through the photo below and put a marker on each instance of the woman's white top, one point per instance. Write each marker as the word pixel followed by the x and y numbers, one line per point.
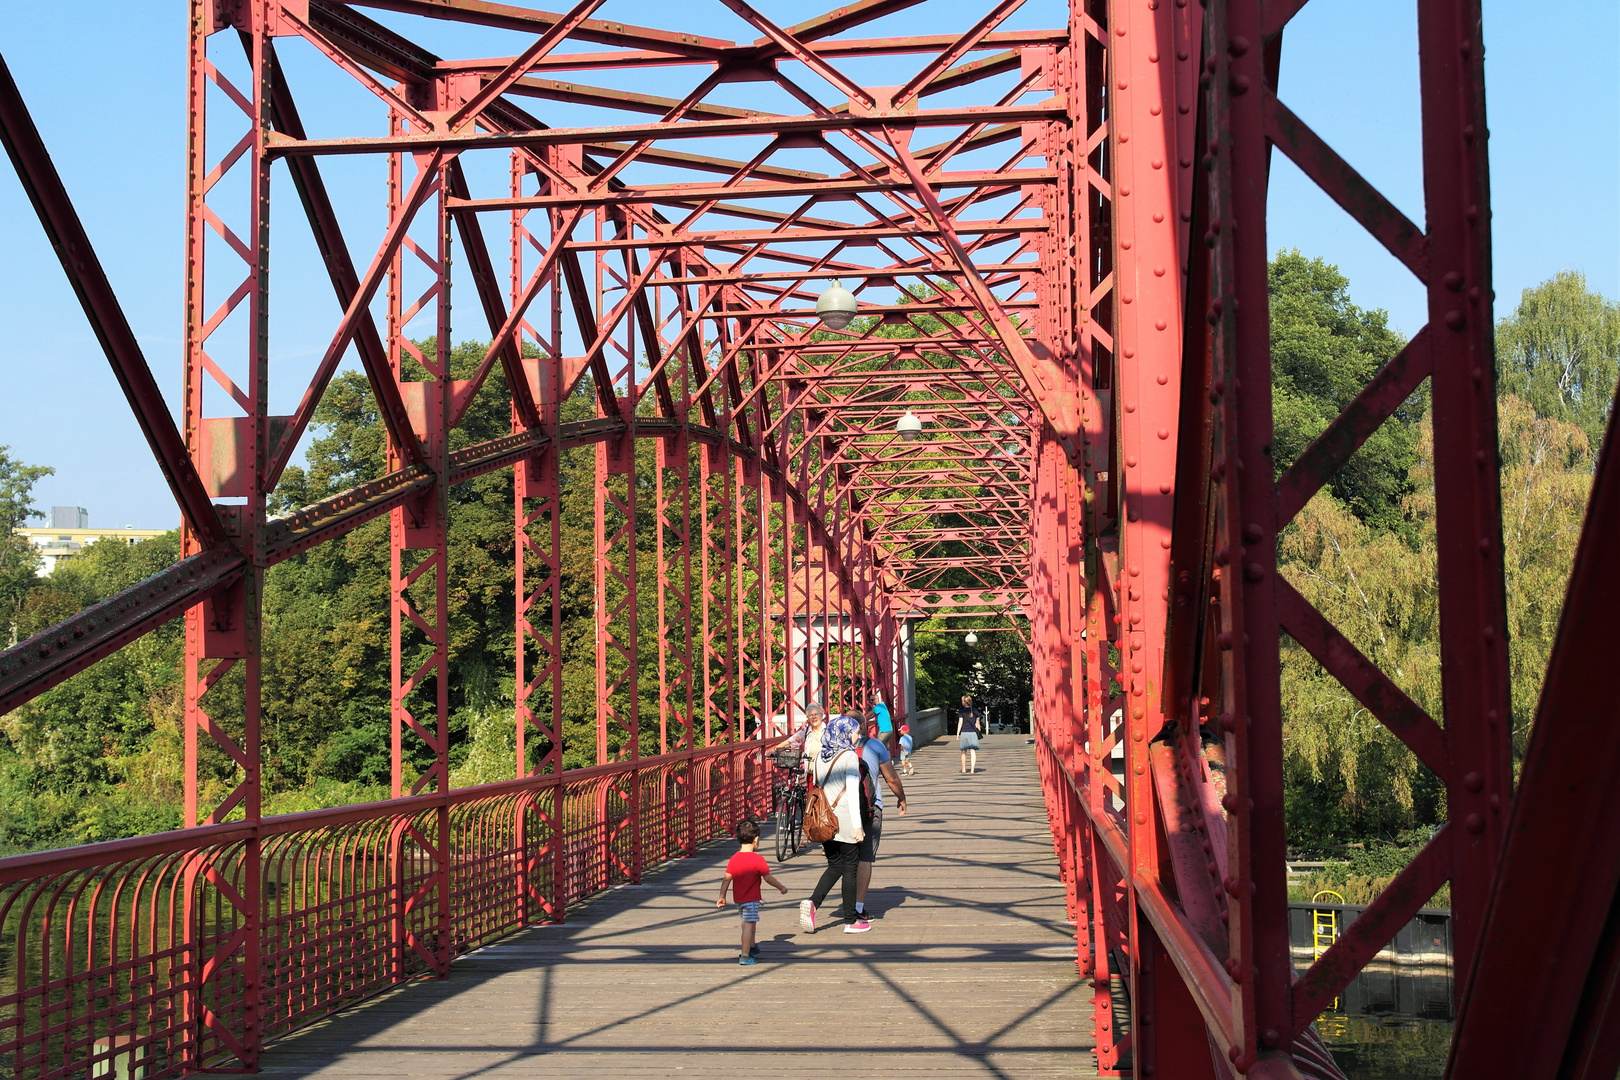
pixel 837 776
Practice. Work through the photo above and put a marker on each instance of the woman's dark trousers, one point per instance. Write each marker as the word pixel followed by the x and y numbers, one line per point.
pixel 842 860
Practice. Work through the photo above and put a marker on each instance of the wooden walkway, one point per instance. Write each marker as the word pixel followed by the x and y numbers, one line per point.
pixel 968 969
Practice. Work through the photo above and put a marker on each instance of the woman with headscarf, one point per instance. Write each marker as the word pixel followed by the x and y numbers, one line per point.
pixel 837 767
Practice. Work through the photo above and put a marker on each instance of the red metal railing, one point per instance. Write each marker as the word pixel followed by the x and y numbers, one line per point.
pixel 126 957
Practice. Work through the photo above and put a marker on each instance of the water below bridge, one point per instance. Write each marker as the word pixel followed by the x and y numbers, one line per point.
pixel 968 971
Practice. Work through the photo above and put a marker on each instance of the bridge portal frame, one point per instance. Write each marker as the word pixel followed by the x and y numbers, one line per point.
pixel 1138 340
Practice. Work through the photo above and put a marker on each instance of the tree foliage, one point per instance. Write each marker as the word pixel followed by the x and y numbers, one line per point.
pixel 100 756
pixel 1374 575
pixel 1324 349
pixel 19 561
pixel 1560 351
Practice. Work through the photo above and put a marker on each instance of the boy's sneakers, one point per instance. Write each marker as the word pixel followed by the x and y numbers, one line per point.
pixel 746 961
pixel 807 916
pixel 859 926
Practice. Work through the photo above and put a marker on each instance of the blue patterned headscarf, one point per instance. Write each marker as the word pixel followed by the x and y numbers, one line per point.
pixel 839 736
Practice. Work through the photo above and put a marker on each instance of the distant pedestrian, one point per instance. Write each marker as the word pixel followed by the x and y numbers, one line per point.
pixel 885 723
pixel 906 746
pixel 969 722
pixel 876 764
pixel 838 773
pixel 744 872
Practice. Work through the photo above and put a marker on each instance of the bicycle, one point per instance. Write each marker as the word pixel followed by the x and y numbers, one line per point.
pixel 788 795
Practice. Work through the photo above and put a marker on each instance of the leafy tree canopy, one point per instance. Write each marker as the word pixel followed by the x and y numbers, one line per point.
pixel 19 561
pixel 1560 351
pixel 1324 350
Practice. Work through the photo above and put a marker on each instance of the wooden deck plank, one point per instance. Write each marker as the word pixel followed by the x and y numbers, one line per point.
pixel 967 972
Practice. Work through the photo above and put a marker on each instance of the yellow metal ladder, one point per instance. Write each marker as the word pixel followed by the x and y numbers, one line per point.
pixel 1325 928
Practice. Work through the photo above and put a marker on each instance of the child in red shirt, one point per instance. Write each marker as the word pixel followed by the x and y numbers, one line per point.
pixel 746 868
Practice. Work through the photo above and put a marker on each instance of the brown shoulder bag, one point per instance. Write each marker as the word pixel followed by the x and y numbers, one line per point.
pixel 820 819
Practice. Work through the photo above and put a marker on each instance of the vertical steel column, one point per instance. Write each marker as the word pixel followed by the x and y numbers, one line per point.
pixel 1148 278
pixel 1468 513
pixel 231 455
pixel 1245 538
pixel 537 511
pixel 420 526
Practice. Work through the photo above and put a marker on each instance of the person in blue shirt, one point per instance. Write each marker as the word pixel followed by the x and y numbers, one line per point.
pixel 906 746
pixel 880 713
pixel 875 762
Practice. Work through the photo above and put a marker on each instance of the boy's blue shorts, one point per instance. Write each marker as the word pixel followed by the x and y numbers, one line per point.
pixel 750 910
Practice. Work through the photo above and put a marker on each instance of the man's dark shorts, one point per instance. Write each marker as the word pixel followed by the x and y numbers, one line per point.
pixel 874 837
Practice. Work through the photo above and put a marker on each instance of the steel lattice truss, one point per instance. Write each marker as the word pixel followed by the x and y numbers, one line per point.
pixel 1056 239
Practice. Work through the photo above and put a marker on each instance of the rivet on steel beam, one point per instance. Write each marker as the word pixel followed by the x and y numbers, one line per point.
pixel 1211 62
pixel 1153 58
pixel 1161 378
pixel 1453 281
pixel 1164 433
pixel 1474 823
pixel 1239 84
pixel 1455 319
pixel 1473 782
pixel 1238 45
pixel 1141 819
pixel 1253 533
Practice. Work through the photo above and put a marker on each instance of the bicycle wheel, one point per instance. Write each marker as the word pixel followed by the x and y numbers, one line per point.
pixel 796 827
pixel 784 834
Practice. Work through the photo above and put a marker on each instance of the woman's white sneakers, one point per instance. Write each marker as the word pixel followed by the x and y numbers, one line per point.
pixel 807 916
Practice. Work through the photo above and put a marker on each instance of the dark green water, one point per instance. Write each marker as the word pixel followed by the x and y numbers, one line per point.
pixel 1391 1027
pixel 1386 1047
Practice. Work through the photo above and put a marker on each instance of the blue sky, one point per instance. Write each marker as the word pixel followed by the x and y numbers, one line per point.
pixel 107 89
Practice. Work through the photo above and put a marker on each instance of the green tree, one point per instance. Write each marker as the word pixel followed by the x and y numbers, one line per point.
pixel 98 757
pixel 19 561
pixel 1560 351
pixel 1324 350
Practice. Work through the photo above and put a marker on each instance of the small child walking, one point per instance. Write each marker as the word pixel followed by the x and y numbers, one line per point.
pixel 906 745
pixel 744 873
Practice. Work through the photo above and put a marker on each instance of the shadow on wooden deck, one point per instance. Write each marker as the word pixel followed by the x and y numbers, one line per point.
pixel 967 971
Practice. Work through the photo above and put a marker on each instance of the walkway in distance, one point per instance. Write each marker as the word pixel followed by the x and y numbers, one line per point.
pixel 968 971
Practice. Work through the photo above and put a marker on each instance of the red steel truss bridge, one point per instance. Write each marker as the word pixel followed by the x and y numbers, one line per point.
pixel 1055 242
